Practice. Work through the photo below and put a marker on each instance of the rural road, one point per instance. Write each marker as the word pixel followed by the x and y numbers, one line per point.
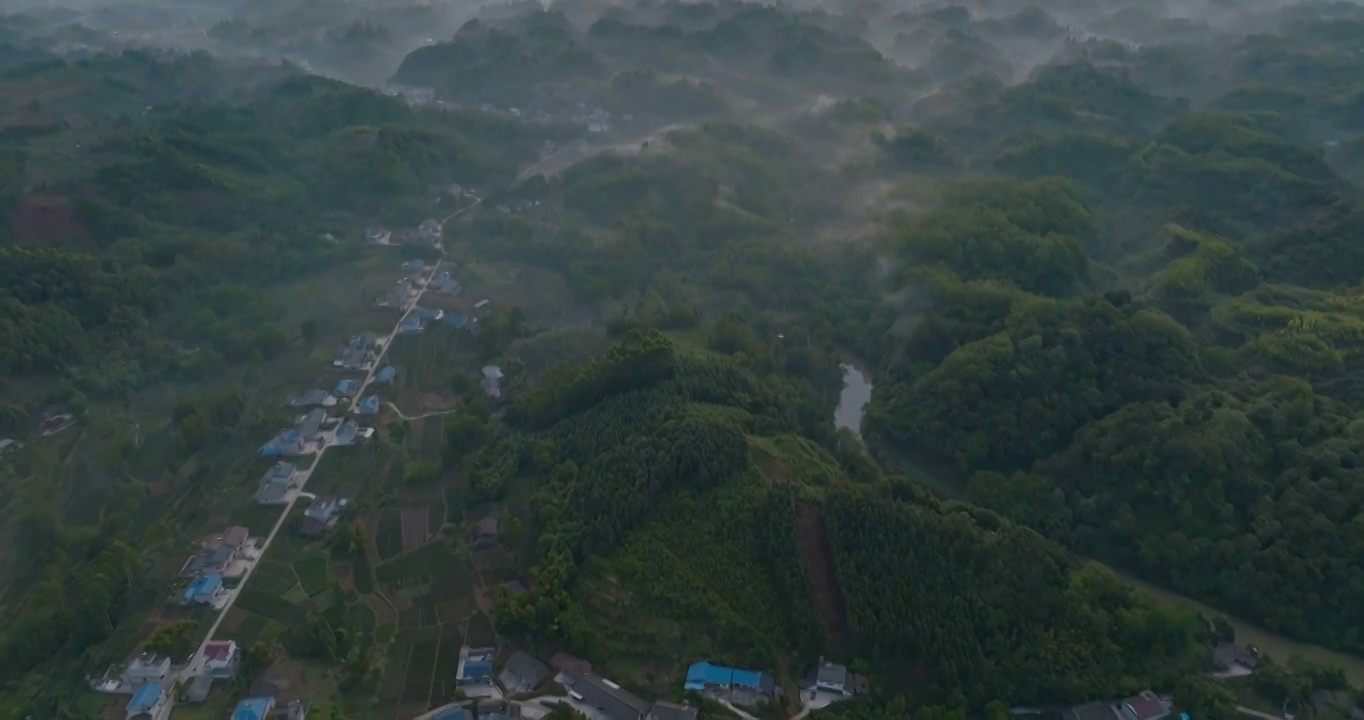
pixel 1248 712
pixel 303 480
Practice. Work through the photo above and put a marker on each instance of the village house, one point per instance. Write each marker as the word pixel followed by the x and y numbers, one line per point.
pixel 413 266
pixel 221 658
pixel 322 515
pixel 149 702
pixel 1144 706
pixel 8 446
pixel 570 666
pixel 368 405
pixel 206 589
pixel 198 688
pixel 385 375
pixel 217 552
pixel 445 284
pixel 497 710
pixel 287 443
pixel 523 672
pixel 429 232
pixel 664 710
pixel 311 398
pixel 377 236
pixel 1231 658
pixel 145 668
pixel 358 354
pixel 348 387
pixel 835 679
pixel 348 433
pixel 274 486
pixel 475 666
pixel 615 702
pixel 485 532
pixel 254 708
pixel 742 687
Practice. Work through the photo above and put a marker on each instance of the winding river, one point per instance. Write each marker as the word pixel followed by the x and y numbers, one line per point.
pixel 852 403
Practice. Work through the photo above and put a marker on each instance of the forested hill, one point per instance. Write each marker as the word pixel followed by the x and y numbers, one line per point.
pixel 953 601
pixel 142 209
pixel 1142 337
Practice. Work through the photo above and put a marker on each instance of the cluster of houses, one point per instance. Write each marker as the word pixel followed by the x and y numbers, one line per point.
pixel 587 689
pixel 1145 705
pixel 149 680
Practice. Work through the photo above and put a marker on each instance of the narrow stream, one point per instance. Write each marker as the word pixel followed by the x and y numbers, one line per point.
pixel 852 403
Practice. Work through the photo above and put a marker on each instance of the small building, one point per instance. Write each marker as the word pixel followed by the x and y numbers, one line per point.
pixel 367 406
pixel 310 426
pixel 1229 657
pixel 377 236
pixel 481 304
pixel 475 666
pixel 297 710
pixel 445 284
pixel 456 320
pixel 322 515
pixel 485 531
pixel 386 374
pixel 255 708
pixel 523 672
pixel 611 699
pixel 348 387
pixel 198 688
pixel 492 381
pixel 833 678
pixel 148 701
pixel 311 398
pixel 8 446
pixel 1145 705
pixel 414 266
pixel 203 590
pixel 702 676
pixel 274 486
pixel 288 443
pixel 410 325
pixel 664 710
pixel 347 434
pixel 146 668
pixel 221 658
pixel 1092 711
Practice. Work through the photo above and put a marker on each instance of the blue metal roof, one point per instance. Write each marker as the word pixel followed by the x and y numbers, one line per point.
pixel 144 698
pixel 386 374
pixel 252 709
pixel 702 673
pixel 347 386
pixel 477 670
pixel 368 405
pixel 206 583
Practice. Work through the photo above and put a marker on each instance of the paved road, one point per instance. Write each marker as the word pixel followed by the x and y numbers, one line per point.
pixel 1251 712
pixel 303 480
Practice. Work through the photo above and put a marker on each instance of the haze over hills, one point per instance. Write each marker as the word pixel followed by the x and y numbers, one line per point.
pixel 548 313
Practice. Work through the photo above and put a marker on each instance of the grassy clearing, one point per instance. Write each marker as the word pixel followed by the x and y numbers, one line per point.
pixel 420 666
pixel 351 470
pixel 273 577
pixel 251 599
pixel 480 632
pixel 312 574
pixel 420 565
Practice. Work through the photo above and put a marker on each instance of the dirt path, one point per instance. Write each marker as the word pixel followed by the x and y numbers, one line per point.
pixel 819 560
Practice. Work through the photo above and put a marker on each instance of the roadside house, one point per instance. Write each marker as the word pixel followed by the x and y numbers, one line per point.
pixel 221 658
pixel 147 667
pixel 492 381
pixel 322 515
pixel 287 443
pixel 347 387
pixel 204 590
pixel 274 486
pixel 347 433
pixel 149 701
pixel 198 688
pixel 611 699
pixel 311 398
pixel 385 374
pixel 368 405
pixel 702 676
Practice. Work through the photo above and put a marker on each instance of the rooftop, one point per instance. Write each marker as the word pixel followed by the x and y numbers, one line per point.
pixel 1146 705
pixel 664 710
pixel 252 709
pixel 219 649
pixel 617 702
pixel 386 374
pixel 145 698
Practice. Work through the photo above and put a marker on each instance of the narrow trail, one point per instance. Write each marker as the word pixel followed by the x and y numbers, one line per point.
pixel 433 413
